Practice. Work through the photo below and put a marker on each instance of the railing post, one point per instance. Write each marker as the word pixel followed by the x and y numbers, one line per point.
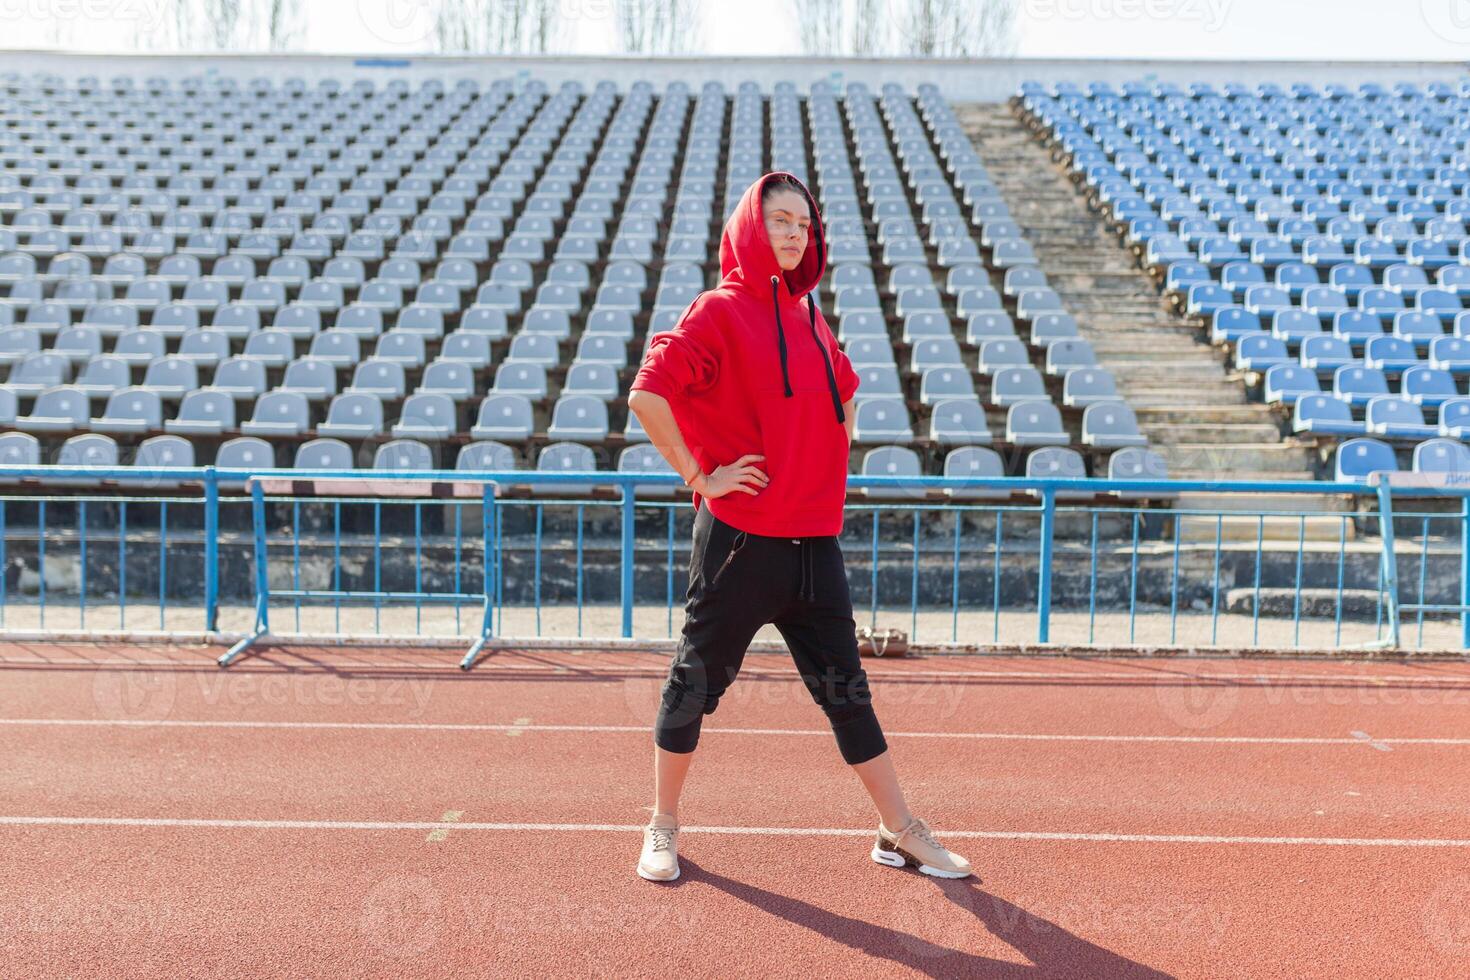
pixel 211 549
pixel 262 578
pixel 626 553
pixel 1465 572
pixel 1043 582
pixel 1390 557
pixel 491 576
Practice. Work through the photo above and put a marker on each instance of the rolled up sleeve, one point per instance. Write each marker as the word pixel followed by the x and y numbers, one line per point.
pixel 684 360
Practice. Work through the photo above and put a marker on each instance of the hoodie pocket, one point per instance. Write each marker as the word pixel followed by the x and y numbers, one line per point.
pixel 806 452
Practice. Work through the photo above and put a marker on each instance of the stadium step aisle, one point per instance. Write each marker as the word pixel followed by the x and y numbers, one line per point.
pixel 1189 402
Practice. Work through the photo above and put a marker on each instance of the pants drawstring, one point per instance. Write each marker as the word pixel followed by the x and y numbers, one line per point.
pixel 807 589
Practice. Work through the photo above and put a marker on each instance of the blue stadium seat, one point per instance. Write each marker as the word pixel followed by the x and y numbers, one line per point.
pixel 1357 459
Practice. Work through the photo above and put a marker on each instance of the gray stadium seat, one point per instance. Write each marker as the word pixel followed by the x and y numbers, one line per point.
pixel 1056 462
pixel 1035 423
pixel 88 449
pixel 598 380
pixel 974 461
pixel 882 420
pixel 578 418
pixel 243 453
pixel 1137 463
pixel 521 378
pixel 353 415
pixel 892 461
pixel 426 416
pixel 1088 386
pixel 313 377
pixel 1014 385
pixel 944 383
pixel 487 456
pixel 563 456
pixel 34 373
pixel 241 378
pixel 646 458
pixel 130 411
pixel 172 377
pixel 1111 425
pixel 18 449
pixel 958 422
pixel 64 408
pixel 404 454
pixel 504 417
pixel 384 379
pixel 279 413
pixel 205 412
pixel 161 452
pixel 324 454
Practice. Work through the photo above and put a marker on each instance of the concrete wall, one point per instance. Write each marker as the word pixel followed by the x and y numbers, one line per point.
pixel 962 79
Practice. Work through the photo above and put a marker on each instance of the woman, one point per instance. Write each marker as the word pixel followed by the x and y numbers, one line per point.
pixel 766 408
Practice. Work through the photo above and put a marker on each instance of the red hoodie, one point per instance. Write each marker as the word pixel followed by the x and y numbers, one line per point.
pixel 750 368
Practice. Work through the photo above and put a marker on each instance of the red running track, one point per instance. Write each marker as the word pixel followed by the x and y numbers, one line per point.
pixel 378 812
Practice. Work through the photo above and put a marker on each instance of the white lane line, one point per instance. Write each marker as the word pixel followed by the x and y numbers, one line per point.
pixel 1177 677
pixel 519 725
pixel 1377 743
pixel 219 824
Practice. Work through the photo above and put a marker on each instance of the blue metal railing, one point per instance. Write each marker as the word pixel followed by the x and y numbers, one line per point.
pixel 1149 538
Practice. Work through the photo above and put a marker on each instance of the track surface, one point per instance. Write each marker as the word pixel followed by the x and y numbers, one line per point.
pixel 377 812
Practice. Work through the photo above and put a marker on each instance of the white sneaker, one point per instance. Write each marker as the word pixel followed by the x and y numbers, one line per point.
pixel 914 846
pixel 660 858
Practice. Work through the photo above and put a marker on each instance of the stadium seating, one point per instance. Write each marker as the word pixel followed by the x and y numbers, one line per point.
pixel 451 268
pixel 1319 234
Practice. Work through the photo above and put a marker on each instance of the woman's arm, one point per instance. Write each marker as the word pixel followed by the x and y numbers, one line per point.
pixel 663 431
pixel 847 415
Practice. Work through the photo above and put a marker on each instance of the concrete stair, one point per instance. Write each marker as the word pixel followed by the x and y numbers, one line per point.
pixel 1190 403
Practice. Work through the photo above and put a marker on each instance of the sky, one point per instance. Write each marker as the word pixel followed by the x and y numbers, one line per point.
pixel 1437 30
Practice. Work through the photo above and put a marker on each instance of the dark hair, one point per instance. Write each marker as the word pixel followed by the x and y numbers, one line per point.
pixel 783 182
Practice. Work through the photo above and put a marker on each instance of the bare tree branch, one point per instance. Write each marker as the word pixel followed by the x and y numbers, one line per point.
pixel 954 28
pixel 497 26
pixel 658 26
pixel 821 26
pixel 283 23
pixel 866 28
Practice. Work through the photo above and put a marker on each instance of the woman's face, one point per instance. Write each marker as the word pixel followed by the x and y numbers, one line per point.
pixel 789 223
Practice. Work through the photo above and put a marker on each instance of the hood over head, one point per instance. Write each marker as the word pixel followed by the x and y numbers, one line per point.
pixel 746 256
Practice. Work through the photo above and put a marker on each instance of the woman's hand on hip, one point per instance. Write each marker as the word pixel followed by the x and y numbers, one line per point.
pixel 740 475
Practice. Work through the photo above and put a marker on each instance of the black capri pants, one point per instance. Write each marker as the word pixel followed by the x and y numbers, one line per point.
pixel 738 582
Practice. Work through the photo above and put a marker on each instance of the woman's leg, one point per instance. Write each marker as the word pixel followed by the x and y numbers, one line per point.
pixel 669 771
pixel 727 605
pixel 880 779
